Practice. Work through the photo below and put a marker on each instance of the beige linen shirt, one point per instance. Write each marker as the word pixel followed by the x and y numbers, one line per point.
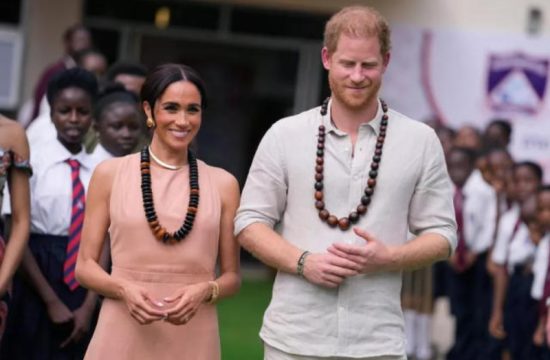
pixel 362 317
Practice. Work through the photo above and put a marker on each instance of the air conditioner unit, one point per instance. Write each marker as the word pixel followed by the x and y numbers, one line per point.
pixel 10 67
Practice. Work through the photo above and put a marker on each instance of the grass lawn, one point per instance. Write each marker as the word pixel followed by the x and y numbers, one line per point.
pixel 240 318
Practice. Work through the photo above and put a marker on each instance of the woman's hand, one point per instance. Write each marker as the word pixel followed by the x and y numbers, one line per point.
pixel 140 304
pixel 184 304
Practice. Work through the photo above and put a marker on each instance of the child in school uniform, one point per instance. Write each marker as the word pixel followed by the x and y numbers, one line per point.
pixel 541 283
pixel 499 170
pixel 512 257
pixel 515 313
pixel 117 122
pixel 52 315
pixel 475 215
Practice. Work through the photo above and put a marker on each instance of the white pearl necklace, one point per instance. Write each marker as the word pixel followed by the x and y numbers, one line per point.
pixel 162 163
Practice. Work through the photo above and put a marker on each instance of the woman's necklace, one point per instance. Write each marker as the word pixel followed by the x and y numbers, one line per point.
pixel 162 163
pixel 353 217
pixel 147 196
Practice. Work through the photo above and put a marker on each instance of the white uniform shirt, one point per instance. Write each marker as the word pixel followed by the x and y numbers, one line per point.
pixel 51 187
pixel 362 317
pixel 100 154
pixel 513 245
pixel 42 129
pixel 540 267
pixel 479 213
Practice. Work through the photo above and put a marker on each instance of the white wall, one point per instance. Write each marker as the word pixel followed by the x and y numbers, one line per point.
pixel 493 15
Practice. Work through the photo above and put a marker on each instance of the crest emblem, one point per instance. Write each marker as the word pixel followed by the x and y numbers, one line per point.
pixel 516 83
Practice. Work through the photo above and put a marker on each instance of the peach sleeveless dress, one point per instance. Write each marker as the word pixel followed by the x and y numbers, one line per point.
pixel 138 256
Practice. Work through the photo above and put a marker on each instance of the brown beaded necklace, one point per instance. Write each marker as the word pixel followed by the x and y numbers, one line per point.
pixel 147 196
pixel 353 217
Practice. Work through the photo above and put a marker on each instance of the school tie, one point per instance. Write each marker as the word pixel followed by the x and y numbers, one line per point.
pixel 461 246
pixel 77 218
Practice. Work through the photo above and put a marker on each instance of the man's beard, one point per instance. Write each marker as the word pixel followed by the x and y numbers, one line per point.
pixel 354 103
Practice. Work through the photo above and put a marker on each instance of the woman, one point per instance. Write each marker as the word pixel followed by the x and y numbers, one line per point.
pixel 117 122
pixel 50 311
pixel 15 168
pixel 159 297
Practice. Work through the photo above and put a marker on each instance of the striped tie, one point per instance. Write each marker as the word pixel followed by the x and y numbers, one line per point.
pixel 77 218
pixel 461 248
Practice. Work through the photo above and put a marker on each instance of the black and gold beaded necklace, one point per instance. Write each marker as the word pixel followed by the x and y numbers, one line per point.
pixel 353 217
pixel 147 196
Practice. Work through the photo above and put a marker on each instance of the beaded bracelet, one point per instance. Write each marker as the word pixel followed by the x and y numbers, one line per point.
pixel 215 292
pixel 301 262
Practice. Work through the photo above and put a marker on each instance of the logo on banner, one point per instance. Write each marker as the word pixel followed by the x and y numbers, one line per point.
pixel 517 83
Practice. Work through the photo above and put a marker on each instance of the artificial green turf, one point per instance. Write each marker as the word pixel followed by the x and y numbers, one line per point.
pixel 240 318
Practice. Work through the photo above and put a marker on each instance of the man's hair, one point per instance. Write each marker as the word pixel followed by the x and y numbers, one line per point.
pixel 543 188
pixel 471 155
pixel 126 68
pixel 535 168
pixel 357 21
pixel 503 124
pixel 79 56
pixel 69 32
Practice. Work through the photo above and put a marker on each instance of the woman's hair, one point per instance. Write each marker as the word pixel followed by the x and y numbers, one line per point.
pixel 357 21
pixel 72 78
pixel 163 76
pixel 113 93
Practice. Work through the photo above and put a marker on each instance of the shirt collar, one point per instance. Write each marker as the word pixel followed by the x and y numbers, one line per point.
pixel 101 152
pixel 57 153
pixel 374 123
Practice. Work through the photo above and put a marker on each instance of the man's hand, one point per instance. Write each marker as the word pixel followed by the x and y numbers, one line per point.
pixel 81 325
pixel 372 257
pixel 328 270
pixel 496 326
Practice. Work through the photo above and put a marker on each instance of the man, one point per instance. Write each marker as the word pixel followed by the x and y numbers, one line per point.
pixel 131 75
pixel 336 294
pixel 92 60
pixel 498 133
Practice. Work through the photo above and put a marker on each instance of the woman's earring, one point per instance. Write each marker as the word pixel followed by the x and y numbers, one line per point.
pixel 150 123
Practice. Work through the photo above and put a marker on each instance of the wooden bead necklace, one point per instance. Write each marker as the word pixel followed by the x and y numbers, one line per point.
pixel 353 217
pixel 147 196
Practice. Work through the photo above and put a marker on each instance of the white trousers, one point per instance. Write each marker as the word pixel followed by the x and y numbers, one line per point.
pixel 270 353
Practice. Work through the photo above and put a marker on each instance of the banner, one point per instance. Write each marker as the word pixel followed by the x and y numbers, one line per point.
pixel 469 78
